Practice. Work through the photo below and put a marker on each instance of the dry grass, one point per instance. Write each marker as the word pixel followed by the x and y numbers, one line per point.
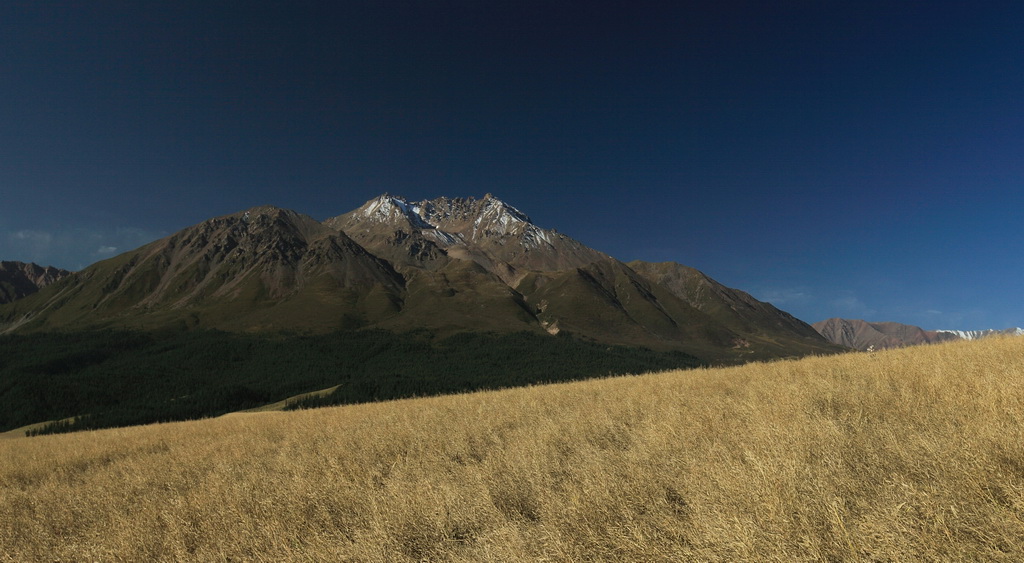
pixel 911 454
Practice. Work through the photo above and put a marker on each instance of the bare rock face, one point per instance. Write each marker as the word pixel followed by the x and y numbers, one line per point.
pixel 18 279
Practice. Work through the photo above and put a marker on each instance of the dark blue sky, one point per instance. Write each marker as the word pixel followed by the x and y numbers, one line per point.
pixel 852 159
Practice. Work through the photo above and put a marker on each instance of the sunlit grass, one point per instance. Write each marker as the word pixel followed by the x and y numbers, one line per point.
pixel 901 455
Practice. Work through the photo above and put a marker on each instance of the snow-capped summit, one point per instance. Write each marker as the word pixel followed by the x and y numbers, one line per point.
pixel 486 230
pixel 485 217
pixel 450 221
pixel 389 209
pixel 976 334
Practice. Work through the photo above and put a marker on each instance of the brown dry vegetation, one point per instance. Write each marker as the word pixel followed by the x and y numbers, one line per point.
pixel 901 455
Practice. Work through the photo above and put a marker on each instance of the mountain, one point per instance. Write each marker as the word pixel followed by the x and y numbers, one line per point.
pixel 862 335
pixel 447 265
pixel 18 279
pixel 262 269
pixel 564 285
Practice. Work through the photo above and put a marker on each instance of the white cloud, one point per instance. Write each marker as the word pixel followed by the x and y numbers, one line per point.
pixel 28 244
pixel 72 248
pixel 785 296
pixel 32 237
pixel 851 306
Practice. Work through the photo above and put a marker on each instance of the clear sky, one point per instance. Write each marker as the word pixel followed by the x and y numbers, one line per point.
pixel 855 159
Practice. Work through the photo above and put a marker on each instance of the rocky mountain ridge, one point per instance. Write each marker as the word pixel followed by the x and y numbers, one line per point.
pixel 245 271
pixel 20 279
pixel 488 231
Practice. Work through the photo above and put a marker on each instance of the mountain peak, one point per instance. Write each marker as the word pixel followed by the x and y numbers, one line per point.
pixel 500 214
pixel 265 212
pixel 497 236
pixel 19 279
pixel 445 221
pixel 488 214
pixel 387 208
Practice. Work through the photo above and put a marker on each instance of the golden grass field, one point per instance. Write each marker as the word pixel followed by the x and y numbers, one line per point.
pixel 912 454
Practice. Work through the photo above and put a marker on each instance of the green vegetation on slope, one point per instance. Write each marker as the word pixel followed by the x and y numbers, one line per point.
pixel 120 378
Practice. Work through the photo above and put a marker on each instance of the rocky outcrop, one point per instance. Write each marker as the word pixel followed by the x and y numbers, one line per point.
pixel 20 279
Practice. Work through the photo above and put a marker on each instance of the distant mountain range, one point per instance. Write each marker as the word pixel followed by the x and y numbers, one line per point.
pixel 18 279
pixel 863 335
pixel 448 265
pixel 976 334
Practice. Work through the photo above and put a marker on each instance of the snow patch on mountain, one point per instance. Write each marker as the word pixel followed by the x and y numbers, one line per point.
pixel 387 208
pixel 446 219
pixel 978 334
pixel 534 236
pixel 442 237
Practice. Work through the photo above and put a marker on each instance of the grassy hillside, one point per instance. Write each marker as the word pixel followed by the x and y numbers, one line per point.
pixel 912 454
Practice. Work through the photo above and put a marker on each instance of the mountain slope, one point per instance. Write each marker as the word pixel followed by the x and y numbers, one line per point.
pixel 18 279
pixel 737 309
pixel 262 269
pixel 607 300
pixel 756 323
